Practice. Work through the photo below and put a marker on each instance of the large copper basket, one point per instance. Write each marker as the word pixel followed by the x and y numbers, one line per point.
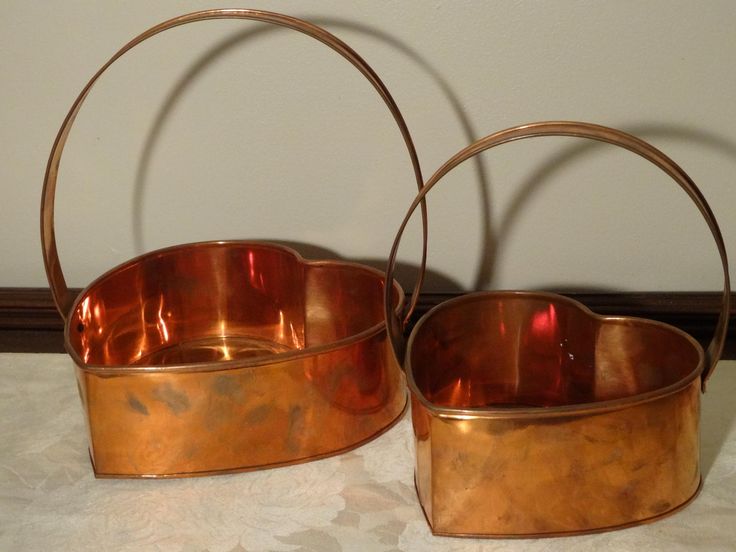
pixel 533 416
pixel 226 356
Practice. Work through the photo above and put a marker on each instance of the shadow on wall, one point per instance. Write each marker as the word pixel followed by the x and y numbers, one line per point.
pixel 489 246
pixel 543 173
pixel 406 274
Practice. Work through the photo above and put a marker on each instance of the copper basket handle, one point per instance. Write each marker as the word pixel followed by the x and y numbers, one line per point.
pixel 601 134
pixel 63 298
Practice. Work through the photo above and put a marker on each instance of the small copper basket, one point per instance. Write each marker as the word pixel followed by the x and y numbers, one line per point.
pixel 535 417
pixel 227 356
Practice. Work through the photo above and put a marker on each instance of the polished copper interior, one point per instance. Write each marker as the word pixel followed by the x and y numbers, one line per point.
pixel 524 349
pixel 221 301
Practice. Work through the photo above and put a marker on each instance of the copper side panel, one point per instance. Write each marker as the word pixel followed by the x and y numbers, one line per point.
pixel 564 475
pixel 177 424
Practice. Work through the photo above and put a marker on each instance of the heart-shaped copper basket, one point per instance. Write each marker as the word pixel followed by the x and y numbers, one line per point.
pixel 227 356
pixel 535 417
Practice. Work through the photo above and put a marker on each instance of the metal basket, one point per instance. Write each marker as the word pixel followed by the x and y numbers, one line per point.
pixel 227 356
pixel 535 417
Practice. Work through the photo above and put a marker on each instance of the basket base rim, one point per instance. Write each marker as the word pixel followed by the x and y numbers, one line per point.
pixel 571 533
pixel 241 469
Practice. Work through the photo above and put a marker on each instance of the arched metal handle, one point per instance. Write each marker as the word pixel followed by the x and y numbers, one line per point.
pixel 59 289
pixel 592 132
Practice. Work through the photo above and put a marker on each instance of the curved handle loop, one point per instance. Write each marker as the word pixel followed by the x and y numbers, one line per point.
pixel 63 298
pixel 592 132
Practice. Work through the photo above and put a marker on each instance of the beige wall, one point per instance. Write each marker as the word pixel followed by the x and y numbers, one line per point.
pixel 223 130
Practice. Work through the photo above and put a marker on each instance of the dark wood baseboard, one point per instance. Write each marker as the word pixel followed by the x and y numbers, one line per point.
pixel 29 321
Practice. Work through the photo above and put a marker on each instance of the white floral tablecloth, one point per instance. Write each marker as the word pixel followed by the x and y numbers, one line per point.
pixel 363 500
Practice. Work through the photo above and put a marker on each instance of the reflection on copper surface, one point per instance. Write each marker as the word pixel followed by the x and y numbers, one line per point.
pixel 163 330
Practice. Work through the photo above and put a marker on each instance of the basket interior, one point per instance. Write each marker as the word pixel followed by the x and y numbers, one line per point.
pixel 221 301
pixel 532 350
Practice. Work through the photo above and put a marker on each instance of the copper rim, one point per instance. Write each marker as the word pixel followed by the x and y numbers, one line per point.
pixel 536 412
pixel 237 363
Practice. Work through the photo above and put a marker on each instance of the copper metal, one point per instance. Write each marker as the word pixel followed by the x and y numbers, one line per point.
pixel 227 356
pixel 535 417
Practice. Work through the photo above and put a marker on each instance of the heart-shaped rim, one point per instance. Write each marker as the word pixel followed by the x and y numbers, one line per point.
pixel 498 412
pixel 369 332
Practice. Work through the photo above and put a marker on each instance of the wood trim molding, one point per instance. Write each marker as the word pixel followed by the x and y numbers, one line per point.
pixel 29 321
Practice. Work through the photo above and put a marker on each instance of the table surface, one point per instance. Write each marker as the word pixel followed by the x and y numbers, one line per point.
pixel 363 500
